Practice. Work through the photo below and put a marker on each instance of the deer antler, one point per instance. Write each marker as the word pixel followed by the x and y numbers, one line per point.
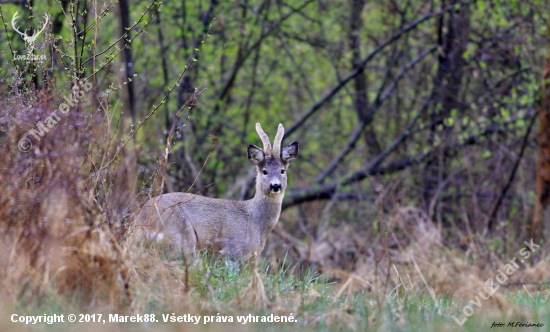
pixel 265 140
pixel 44 27
pixel 14 18
pixel 277 141
pixel 35 35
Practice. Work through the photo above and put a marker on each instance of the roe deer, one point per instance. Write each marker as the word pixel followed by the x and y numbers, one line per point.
pixel 239 229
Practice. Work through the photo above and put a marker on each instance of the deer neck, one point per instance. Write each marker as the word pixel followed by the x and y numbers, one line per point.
pixel 266 209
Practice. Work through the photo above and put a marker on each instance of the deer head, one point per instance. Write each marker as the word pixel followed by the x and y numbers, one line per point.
pixel 29 40
pixel 272 164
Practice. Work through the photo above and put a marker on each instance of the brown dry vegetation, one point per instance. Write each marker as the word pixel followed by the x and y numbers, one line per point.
pixel 65 246
pixel 405 250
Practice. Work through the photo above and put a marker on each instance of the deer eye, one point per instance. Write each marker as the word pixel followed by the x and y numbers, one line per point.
pixel 265 172
pixel 282 171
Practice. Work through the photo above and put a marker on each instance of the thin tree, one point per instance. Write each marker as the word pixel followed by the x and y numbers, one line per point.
pixel 542 202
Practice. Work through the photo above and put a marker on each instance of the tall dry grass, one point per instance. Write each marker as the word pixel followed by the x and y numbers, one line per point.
pixel 62 215
pixel 66 212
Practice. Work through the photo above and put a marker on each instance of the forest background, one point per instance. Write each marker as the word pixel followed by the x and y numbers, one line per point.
pixel 424 129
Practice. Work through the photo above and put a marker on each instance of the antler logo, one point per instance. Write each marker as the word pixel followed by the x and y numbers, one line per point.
pixel 29 40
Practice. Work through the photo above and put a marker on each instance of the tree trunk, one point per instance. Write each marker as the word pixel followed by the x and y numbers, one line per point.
pixel 360 99
pixel 452 41
pixel 125 23
pixel 542 202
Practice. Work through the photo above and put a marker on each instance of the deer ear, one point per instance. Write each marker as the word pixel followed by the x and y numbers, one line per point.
pixel 290 152
pixel 255 154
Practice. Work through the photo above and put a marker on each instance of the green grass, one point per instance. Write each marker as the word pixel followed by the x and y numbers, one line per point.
pixel 216 287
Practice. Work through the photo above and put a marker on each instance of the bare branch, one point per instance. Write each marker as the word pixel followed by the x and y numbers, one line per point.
pixel 317 192
pixel 380 99
pixel 327 97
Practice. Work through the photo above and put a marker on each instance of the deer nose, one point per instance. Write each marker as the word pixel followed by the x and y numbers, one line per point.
pixel 275 187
